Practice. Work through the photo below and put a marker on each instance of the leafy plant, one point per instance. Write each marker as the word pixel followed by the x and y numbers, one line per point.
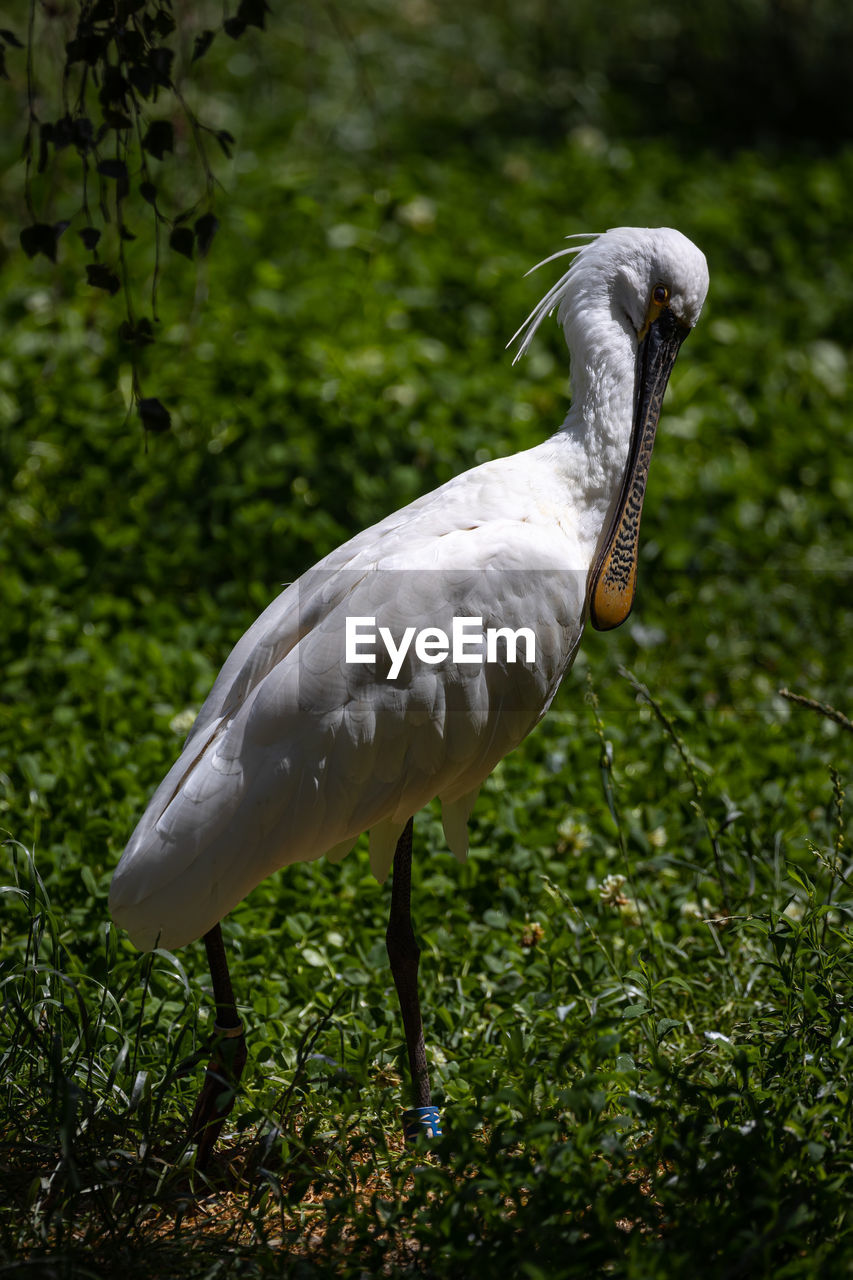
pixel 118 70
pixel 637 989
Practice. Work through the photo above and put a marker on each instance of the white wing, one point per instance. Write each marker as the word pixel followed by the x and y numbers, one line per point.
pixel 296 751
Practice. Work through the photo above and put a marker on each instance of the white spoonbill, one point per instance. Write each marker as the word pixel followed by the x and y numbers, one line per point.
pixel 408 662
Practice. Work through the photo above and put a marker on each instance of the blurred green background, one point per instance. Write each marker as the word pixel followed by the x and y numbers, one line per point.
pixel 397 169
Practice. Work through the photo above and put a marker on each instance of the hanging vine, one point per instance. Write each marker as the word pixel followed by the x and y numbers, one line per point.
pixel 118 67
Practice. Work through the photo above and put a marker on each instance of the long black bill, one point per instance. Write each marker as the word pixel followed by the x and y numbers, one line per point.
pixel 613 579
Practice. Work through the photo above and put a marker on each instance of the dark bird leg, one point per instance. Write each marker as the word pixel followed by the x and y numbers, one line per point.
pixel 404 954
pixel 223 1073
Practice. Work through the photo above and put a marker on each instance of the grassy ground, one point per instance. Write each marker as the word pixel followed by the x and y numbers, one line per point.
pixel 637 991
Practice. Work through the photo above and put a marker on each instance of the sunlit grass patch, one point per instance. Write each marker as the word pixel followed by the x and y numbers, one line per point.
pixel 607 1079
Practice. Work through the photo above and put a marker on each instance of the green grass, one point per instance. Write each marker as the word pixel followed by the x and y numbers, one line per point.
pixel 637 990
pixel 620 1063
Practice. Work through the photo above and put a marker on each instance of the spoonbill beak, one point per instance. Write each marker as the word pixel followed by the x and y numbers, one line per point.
pixel 613 579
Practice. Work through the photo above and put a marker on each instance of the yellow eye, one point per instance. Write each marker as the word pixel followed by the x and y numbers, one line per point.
pixel 660 295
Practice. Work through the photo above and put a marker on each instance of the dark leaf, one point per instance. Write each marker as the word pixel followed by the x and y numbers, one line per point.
pixel 234 28
pixel 164 23
pixel 159 138
pixel 133 46
pixel 39 238
pixel 113 87
pixel 117 120
pixel 61 226
pixel 3 72
pixel 205 229
pixel 139 335
pixel 202 44
pixel 90 237
pixel 103 11
pixel 252 13
pixel 125 233
pixel 82 133
pixel 62 134
pixel 148 192
pixel 112 169
pixel 128 7
pixel 88 48
pixel 102 277
pixel 142 80
pixel 155 416
pixel 160 62
pixel 10 38
pixel 225 140
pixel 181 240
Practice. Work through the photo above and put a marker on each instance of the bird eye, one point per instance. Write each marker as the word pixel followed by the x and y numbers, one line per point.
pixel 660 295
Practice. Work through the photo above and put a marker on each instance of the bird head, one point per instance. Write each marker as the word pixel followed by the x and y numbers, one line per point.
pixel 627 274
pixel 646 271
pixel 626 304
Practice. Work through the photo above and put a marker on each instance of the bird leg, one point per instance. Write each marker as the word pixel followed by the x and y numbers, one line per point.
pixel 404 954
pixel 223 1073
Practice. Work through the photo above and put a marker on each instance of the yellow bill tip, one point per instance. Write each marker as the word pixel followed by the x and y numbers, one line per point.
pixel 612 600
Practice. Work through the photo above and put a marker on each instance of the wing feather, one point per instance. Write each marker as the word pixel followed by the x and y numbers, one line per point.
pixel 296 751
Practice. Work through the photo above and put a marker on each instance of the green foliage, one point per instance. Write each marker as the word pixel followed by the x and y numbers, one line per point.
pixel 637 990
pixel 116 72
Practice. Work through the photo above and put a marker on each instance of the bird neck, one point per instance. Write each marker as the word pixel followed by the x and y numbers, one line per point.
pixel 596 434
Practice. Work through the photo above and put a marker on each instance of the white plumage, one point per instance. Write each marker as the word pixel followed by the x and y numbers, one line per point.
pixel 295 751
